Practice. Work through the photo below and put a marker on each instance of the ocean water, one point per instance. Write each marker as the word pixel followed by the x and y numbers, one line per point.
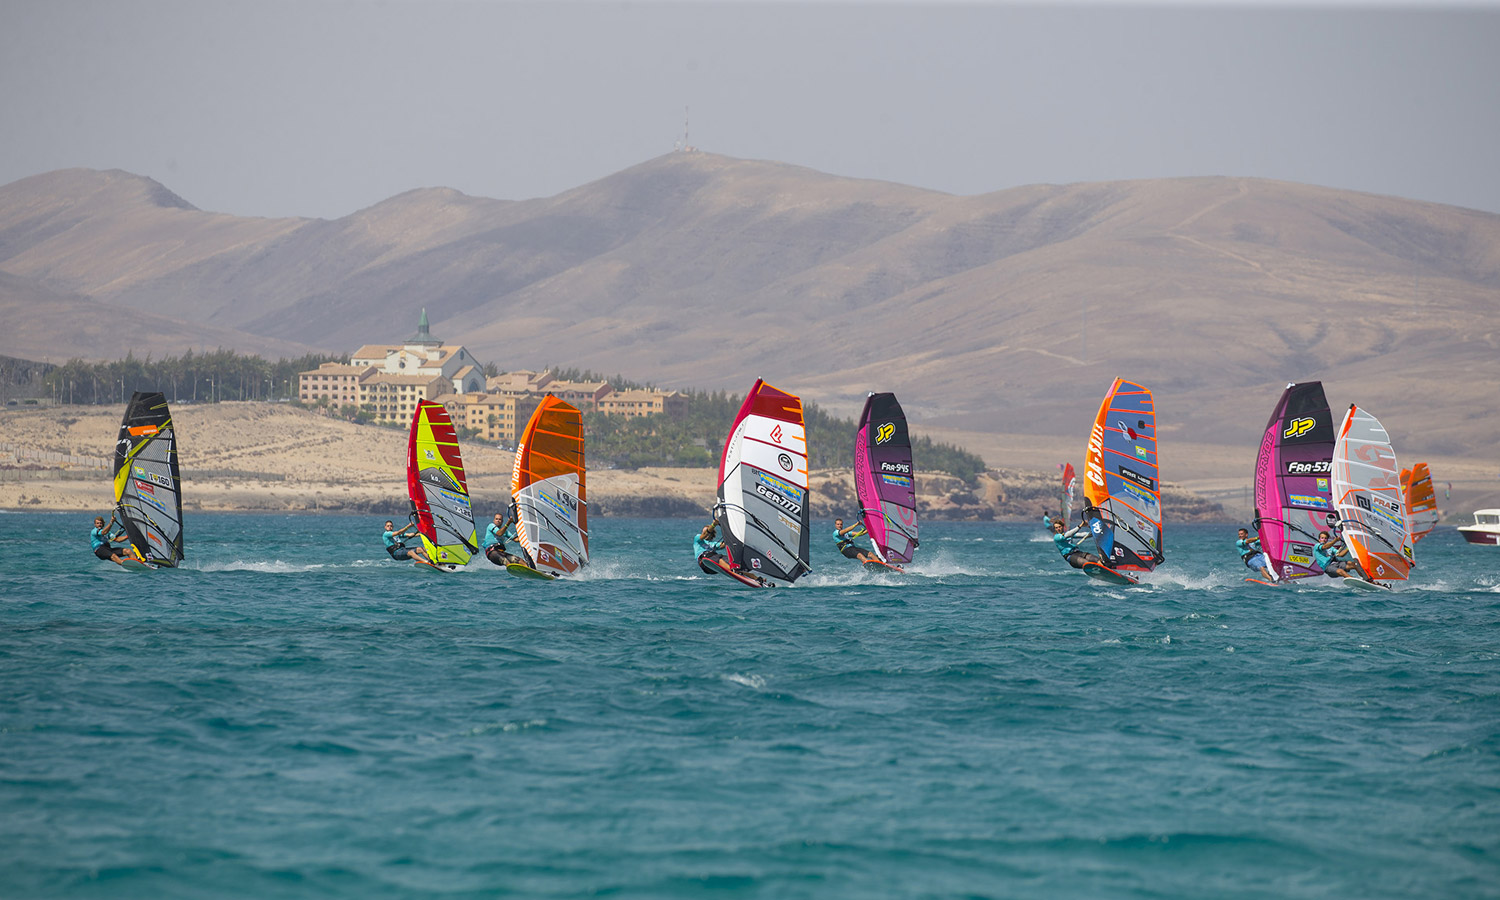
pixel 293 715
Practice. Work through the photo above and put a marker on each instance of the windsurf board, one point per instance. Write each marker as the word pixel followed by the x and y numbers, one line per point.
pixel 521 570
pixel 1105 573
pixel 744 578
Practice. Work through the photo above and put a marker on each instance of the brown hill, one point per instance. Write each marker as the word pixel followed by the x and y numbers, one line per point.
pixel 42 324
pixel 1008 312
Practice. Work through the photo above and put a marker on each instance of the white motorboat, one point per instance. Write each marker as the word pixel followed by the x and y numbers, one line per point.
pixel 1486 528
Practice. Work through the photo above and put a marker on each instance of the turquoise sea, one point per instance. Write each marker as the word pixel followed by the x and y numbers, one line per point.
pixel 293 715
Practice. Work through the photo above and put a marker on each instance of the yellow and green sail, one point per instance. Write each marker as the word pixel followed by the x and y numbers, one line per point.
pixel 439 492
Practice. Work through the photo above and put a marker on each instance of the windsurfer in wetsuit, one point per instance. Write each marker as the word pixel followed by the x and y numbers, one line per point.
pixel 1068 542
pixel 1251 555
pixel 845 543
pixel 706 548
pixel 103 543
pixel 496 537
pixel 397 548
pixel 1334 559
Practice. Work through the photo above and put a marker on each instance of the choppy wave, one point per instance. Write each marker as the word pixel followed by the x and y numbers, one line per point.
pixel 294 715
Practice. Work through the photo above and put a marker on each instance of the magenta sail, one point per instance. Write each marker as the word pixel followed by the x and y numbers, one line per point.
pixel 884 479
pixel 1293 496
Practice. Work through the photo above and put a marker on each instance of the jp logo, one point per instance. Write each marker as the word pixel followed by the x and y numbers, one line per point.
pixel 1298 427
pixel 884 432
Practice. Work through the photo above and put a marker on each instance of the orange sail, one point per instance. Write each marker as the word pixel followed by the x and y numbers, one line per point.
pixel 1421 500
pixel 548 488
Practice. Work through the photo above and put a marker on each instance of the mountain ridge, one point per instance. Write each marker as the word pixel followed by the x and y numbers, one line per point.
pixel 1010 310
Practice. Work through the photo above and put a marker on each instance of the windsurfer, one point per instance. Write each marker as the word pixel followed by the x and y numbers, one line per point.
pixel 496 537
pixel 1333 558
pixel 1068 542
pixel 1251 555
pixel 843 537
pixel 706 548
pixel 103 542
pixel 397 548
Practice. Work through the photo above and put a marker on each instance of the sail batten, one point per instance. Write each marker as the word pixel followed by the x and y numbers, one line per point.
pixel 549 489
pixel 885 479
pixel 147 484
pixel 438 488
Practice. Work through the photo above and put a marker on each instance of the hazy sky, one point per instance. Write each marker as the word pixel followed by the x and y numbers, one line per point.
pixel 323 107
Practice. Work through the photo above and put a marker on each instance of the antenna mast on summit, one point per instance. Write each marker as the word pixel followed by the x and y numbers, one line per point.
pixel 685 145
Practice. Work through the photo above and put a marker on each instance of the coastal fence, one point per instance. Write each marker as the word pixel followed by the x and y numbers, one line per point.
pixel 11 475
pixel 17 455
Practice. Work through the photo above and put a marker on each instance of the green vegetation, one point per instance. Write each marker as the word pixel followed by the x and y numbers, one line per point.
pixel 205 377
pixel 616 382
pixel 696 439
pixel 23 378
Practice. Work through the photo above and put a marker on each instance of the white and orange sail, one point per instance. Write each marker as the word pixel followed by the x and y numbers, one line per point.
pixel 1367 495
pixel 548 486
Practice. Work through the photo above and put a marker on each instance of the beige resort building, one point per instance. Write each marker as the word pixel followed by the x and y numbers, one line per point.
pixel 390 380
pixel 492 415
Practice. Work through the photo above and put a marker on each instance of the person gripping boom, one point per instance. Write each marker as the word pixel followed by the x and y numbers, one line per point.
pixel 1068 542
pixel 104 544
pixel 844 541
pixel 497 537
pixel 397 548
pixel 707 548
pixel 1252 556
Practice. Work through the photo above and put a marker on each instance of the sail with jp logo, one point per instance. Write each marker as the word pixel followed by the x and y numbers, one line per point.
pixel 884 479
pixel 1121 489
pixel 762 509
pixel 438 490
pixel 549 488
pixel 148 489
pixel 1367 496
pixel 1293 491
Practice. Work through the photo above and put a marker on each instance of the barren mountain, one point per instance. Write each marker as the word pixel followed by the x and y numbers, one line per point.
pixel 44 325
pixel 1008 312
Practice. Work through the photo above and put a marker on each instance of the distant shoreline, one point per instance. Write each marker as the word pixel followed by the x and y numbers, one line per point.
pixel 276 459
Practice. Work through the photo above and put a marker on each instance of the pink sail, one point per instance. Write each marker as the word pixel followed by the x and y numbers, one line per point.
pixel 884 479
pixel 1293 499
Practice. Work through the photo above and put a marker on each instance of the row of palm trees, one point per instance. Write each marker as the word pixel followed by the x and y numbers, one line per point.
pixel 192 377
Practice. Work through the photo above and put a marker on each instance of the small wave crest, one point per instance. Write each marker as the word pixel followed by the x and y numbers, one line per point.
pixel 754 682
pixel 503 728
pixel 275 566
